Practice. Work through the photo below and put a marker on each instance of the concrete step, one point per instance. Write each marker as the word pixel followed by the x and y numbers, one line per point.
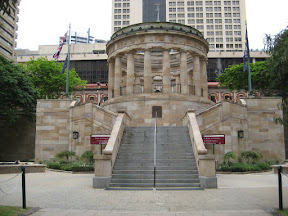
pixel 160 172
pixel 161 181
pixel 151 167
pixel 158 176
pixel 157 185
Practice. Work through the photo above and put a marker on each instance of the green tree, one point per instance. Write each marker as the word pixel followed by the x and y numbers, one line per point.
pixel 234 78
pixel 18 96
pixel 276 46
pixel 46 77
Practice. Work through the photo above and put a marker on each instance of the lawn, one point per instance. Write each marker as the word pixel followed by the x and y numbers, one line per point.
pixel 11 210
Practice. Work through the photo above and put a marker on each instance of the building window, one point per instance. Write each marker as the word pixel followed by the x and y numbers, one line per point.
pixel 217 2
pixel 210 27
pixel 219 33
pixel 229 46
pixel 116 28
pixel 200 27
pixel 117 5
pixel 227 8
pixel 219 39
pixel 209 21
pixel 180 3
pixel 191 21
pixel 218 27
pixel 126 10
pixel 209 15
pixel 199 15
pixel 190 3
pixel 228 20
pixel 227 14
pixel 210 33
pixel 91 98
pixel 172 9
pixel 210 40
pixel 236 20
pixel 209 8
pixel 126 22
pixel 200 9
pixel 157 111
pixel 235 2
pixel 181 21
pixel 229 33
pixel 228 26
pixel 181 15
pixel 218 20
pixel 172 15
pixel 237 26
pixel 117 16
pixel 219 46
pixel 199 21
pixel 117 23
pixel 208 3
pixel 229 39
pixel 126 4
pixel 217 8
pixel 190 9
pixel 172 21
pixel 212 46
pixel 237 32
pixel 172 4
pixel 236 14
pixel 126 16
pixel 239 39
pixel 227 2
pixel 199 3
pixel 218 15
pixel 117 11
pixel 180 9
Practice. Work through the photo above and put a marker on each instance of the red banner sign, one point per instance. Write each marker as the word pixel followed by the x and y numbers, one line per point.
pixel 214 139
pixel 99 139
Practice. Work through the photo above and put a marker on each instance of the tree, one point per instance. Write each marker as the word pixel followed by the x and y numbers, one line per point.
pixel 234 78
pixel 46 77
pixel 18 96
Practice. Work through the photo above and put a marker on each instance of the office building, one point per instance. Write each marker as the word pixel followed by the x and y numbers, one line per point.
pixel 8 28
pixel 222 22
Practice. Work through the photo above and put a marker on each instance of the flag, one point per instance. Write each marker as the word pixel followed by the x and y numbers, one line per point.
pixel 65 65
pixel 58 51
pixel 246 51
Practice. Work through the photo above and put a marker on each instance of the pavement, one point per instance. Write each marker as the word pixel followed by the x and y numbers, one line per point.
pixel 59 194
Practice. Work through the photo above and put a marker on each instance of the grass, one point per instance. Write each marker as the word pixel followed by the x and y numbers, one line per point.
pixel 284 212
pixel 11 210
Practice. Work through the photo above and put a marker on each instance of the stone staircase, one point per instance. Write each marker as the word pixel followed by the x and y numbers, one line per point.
pixel 175 166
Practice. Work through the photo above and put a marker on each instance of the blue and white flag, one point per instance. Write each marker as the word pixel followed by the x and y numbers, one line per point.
pixel 65 65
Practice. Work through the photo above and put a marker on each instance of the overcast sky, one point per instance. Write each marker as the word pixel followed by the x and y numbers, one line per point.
pixel 41 22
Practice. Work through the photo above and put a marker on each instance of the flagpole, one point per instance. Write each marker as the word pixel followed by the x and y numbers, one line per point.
pixel 68 64
pixel 249 70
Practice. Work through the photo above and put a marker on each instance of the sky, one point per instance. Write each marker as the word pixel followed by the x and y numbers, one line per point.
pixel 42 22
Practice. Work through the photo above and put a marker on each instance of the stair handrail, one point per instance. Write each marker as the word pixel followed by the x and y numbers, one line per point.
pixel 155 149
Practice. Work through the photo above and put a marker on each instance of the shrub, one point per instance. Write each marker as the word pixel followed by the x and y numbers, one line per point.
pixel 263 166
pixel 251 156
pixel 65 155
pixel 53 165
pixel 87 157
pixel 229 157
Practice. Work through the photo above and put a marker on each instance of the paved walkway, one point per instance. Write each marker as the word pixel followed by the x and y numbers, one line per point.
pixel 72 194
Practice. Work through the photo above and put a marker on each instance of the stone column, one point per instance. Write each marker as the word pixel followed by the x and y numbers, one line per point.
pixel 130 73
pixel 111 78
pixel 178 87
pixel 166 72
pixel 196 75
pixel 137 89
pixel 118 76
pixel 184 73
pixel 204 84
pixel 147 73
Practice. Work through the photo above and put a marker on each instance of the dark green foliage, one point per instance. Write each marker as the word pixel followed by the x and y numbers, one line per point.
pixel 229 157
pixel 16 92
pixel 47 80
pixel 53 165
pixel 87 157
pixel 70 166
pixel 65 155
pixel 263 165
pixel 251 156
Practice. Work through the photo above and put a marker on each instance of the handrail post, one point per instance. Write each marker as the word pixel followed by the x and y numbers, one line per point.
pixel 155 141
pixel 280 187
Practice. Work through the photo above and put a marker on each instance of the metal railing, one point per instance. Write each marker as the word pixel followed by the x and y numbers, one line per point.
pixel 155 149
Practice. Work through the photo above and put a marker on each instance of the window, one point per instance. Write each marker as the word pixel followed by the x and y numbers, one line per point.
pixel 217 8
pixel 219 33
pixel 218 20
pixel 209 8
pixel 117 5
pixel 157 111
pixel 208 2
pixel 190 14
pixel 238 46
pixel 126 10
pixel 180 9
pixel 219 39
pixel 235 2
pixel 236 8
pixel 212 46
pixel 210 40
pixel 237 32
pixel 218 15
pixel 209 21
pixel 209 15
pixel 199 8
pixel 126 16
pixel 228 20
pixel 117 11
pixel 181 15
pixel 238 39
pixel 229 33
pixel 172 4
pixel 229 39
pixel 210 27
pixel 227 14
pixel 218 27
pixel 117 28
pixel 126 4
pixel 190 9
pixel 199 21
pixel 117 22
pixel 227 2
pixel 217 2
pixel 236 20
pixel 172 9
pixel 172 15
pixel 172 21
pixel 219 45
pixel 199 15
pixel 91 98
pixel 200 27
pixel 199 3
pixel 190 3
pixel 181 21
pixel 227 8
pixel 126 22
pixel 210 33
pixel 237 26
pixel 228 26
pixel 191 21
pixel 117 16
pixel 180 3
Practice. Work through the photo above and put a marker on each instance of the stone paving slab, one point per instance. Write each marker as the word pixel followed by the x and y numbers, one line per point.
pixel 72 194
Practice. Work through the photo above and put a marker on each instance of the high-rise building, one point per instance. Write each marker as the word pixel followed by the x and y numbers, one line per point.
pixel 8 28
pixel 222 22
